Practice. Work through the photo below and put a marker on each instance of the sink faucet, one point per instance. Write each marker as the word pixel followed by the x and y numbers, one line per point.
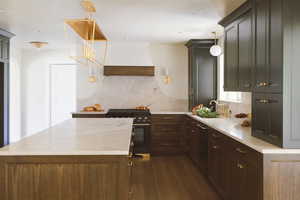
pixel 213 105
pixel 213 101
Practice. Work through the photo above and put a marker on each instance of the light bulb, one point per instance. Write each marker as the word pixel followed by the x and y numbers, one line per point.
pixel 216 50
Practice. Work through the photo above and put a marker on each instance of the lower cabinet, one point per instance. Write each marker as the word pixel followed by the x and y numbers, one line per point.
pixel 235 170
pixel 217 162
pixel 198 145
pixel 267 117
pixel 167 134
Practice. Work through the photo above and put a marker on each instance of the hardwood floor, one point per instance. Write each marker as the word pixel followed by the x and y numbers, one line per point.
pixel 170 178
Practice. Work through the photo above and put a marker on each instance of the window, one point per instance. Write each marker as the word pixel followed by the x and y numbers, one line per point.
pixel 226 96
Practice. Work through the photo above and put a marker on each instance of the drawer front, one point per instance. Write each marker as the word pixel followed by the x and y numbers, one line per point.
pixel 215 136
pixel 243 152
pixel 164 128
pixel 167 119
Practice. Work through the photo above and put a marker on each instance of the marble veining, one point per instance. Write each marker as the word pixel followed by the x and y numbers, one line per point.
pixel 77 137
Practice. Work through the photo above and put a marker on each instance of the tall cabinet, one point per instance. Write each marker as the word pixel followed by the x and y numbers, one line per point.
pixel 202 72
pixel 262 47
pixel 4 87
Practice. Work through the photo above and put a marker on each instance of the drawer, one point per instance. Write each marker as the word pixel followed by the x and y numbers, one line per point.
pixel 163 128
pixel 243 152
pixel 215 136
pixel 166 119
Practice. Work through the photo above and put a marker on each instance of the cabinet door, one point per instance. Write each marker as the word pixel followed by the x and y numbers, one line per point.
pixel 275 72
pixel 260 121
pixel 261 44
pixel 267 117
pixel 217 162
pixel 245 52
pixel 198 151
pixel 244 181
pixel 231 58
pixel 269 46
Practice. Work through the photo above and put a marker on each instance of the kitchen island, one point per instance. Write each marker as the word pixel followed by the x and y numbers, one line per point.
pixel 84 159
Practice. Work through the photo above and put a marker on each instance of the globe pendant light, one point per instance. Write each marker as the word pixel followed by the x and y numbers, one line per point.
pixel 215 50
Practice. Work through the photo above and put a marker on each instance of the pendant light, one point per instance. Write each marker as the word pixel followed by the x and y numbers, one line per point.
pixel 88 41
pixel 215 50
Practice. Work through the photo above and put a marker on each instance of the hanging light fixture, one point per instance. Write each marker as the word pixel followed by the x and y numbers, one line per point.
pixel 215 50
pixel 89 34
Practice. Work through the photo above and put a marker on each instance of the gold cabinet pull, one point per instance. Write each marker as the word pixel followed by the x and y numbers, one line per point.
pixel 240 166
pixel 262 84
pixel 215 147
pixel 130 163
pixel 264 101
pixel 240 151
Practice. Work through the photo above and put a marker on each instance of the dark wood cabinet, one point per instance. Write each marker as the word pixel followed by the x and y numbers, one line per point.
pixel 234 169
pixel 198 145
pixel 202 73
pixel 268 67
pixel 267 117
pixel 263 34
pixel 238 49
pixel 231 58
pixel 167 134
pixel 244 174
pixel 245 52
pixel 217 162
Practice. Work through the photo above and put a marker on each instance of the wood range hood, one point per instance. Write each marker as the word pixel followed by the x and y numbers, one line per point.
pixel 129 70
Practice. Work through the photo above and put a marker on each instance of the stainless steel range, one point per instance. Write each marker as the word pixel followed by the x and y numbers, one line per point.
pixel 141 127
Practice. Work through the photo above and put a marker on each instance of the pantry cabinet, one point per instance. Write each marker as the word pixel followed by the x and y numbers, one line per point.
pixel 202 72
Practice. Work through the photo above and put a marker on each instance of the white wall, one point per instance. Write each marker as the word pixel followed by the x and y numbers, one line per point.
pixel 35 87
pixel 30 80
pixel 129 92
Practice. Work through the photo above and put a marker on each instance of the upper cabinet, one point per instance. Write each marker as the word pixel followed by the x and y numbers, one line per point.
pixel 262 48
pixel 202 73
pixel 268 66
pixel 238 49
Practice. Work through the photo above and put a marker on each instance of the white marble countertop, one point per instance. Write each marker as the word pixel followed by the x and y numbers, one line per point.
pixel 232 128
pixel 77 137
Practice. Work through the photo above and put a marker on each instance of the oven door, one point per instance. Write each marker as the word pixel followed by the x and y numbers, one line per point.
pixel 141 138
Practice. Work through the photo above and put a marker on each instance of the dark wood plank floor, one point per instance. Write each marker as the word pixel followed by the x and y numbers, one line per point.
pixel 170 178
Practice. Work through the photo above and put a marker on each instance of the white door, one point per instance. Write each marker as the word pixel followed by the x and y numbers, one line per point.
pixel 62 92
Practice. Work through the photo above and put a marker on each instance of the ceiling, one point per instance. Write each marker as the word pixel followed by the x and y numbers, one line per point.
pixel 156 21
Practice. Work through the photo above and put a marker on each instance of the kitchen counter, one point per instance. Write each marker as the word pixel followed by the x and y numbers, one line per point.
pixel 77 137
pixel 231 127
